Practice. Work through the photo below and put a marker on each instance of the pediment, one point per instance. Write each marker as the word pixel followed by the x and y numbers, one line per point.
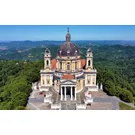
pixel 68 82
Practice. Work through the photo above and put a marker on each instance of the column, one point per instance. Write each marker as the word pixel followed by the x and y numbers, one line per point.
pixel 65 91
pixel 86 80
pixel 91 81
pixel 75 92
pixel 92 63
pixel 57 64
pixel 50 80
pixel 101 86
pixel 79 64
pixel 73 65
pixel 45 80
pixel 61 94
pixel 71 93
pixel 62 65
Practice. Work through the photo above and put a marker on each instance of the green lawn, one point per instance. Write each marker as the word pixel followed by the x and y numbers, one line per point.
pixel 123 106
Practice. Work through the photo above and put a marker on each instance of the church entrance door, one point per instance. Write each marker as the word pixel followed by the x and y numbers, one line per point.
pixel 68 90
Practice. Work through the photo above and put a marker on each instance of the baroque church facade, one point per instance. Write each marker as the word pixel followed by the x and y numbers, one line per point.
pixel 68 74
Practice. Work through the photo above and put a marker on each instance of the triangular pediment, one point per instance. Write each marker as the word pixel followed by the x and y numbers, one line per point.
pixel 68 82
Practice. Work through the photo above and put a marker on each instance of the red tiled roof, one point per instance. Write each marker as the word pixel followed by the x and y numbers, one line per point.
pixel 53 63
pixel 83 63
pixel 68 76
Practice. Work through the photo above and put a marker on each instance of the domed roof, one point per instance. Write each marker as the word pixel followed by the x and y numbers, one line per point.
pixel 68 48
pixel 47 50
pixel 89 50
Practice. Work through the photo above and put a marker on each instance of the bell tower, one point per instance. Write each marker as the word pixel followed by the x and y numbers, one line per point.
pixel 89 59
pixel 47 59
pixel 46 74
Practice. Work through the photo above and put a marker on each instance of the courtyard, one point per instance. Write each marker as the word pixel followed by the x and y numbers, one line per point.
pixel 101 101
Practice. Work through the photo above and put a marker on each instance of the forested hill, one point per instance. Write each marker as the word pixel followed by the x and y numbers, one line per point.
pixel 115 65
pixel 15 83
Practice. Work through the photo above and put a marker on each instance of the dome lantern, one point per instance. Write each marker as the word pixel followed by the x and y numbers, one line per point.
pixel 68 36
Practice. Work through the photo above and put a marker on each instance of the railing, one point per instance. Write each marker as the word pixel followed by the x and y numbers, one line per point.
pixel 57 74
pixel 92 70
pixel 68 71
pixel 42 70
pixel 79 74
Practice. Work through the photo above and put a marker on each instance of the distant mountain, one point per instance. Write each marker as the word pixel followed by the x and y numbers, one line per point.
pixel 28 43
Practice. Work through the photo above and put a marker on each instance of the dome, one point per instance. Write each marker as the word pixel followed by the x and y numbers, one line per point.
pixel 68 48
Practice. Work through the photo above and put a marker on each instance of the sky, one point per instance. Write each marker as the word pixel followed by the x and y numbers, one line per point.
pixel 58 32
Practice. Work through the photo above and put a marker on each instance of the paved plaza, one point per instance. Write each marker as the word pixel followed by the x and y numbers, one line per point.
pixel 101 101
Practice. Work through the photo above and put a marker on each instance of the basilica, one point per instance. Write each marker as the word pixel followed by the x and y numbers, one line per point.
pixel 68 74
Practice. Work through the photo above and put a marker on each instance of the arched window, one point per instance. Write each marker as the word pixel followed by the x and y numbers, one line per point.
pixel 68 66
pixel 47 62
pixel 89 63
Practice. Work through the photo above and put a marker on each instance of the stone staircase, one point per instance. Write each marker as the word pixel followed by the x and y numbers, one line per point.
pixel 65 106
pixel 68 104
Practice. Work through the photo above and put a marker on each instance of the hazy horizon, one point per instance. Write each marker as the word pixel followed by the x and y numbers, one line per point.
pixel 64 40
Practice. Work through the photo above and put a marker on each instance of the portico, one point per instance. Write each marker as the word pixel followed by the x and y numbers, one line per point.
pixel 68 88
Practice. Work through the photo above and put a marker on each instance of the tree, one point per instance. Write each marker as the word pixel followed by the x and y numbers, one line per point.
pixel 127 96
pixel 118 90
pixel 16 86
pixel 109 87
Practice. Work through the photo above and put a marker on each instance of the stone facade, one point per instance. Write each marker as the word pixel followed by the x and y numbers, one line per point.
pixel 68 74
